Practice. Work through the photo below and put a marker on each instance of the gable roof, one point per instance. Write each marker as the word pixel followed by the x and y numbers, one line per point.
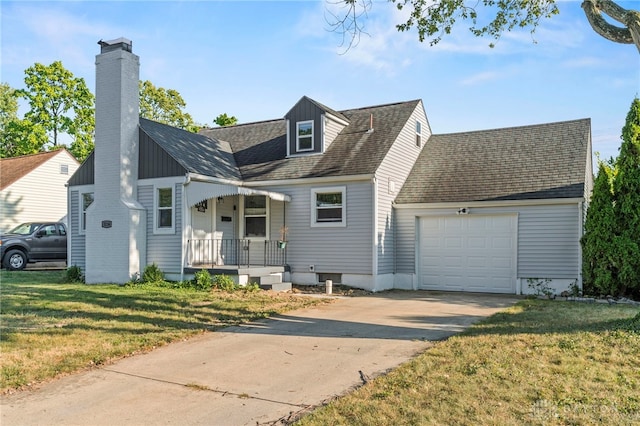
pixel 527 162
pixel 15 168
pixel 260 148
pixel 323 107
pixel 195 152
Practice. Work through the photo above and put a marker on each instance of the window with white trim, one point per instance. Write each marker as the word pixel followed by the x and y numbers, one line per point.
pixel 255 216
pixel 164 210
pixel 328 206
pixel 304 136
pixel 418 133
pixel 86 199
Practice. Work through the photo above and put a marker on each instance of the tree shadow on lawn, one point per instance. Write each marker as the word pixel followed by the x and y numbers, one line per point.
pixel 33 308
pixel 527 317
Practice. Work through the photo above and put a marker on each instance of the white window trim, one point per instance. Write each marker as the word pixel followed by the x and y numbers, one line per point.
pixel 267 221
pixel 156 229
pixel 332 189
pixel 418 133
pixel 81 220
pixel 298 149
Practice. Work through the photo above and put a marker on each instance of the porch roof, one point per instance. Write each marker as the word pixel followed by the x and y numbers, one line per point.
pixel 196 192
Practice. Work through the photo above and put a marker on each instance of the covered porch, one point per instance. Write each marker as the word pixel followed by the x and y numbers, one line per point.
pixel 237 231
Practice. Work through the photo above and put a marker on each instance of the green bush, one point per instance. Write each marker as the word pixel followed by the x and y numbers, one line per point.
pixel 251 288
pixel 202 280
pixel 73 274
pixel 152 274
pixel 224 282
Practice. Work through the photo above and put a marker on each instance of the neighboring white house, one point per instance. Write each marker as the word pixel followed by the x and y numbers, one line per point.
pixel 33 187
pixel 367 197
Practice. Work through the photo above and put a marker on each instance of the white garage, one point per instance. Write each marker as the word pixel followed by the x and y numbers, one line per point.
pixel 475 253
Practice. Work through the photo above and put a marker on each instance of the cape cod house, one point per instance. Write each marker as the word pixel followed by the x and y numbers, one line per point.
pixel 33 188
pixel 366 197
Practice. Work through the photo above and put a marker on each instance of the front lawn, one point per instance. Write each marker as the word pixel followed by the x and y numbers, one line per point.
pixel 538 363
pixel 48 329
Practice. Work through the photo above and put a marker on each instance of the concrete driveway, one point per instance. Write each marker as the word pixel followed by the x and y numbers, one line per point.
pixel 266 372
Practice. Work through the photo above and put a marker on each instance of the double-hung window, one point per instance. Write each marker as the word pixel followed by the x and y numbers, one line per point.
pixel 304 136
pixel 418 133
pixel 86 198
pixel 255 216
pixel 164 210
pixel 329 206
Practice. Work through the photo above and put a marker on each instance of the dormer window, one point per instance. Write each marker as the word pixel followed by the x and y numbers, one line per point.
pixel 418 133
pixel 304 136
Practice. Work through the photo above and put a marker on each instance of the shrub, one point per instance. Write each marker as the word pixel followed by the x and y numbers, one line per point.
pixel 152 274
pixel 224 282
pixel 202 280
pixel 251 288
pixel 73 274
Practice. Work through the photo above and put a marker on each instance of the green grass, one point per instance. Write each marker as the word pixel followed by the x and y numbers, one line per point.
pixel 48 329
pixel 538 363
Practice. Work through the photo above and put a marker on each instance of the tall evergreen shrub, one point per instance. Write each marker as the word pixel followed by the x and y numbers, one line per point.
pixel 626 190
pixel 598 271
pixel 611 242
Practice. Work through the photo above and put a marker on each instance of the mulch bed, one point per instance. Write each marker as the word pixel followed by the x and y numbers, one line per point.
pixel 337 290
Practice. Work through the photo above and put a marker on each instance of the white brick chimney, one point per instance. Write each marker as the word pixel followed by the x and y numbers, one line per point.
pixel 116 222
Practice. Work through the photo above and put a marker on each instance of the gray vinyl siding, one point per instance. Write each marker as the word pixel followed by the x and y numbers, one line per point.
pixel 395 168
pixel 85 175
pixel 305 111
pixel 346 250
pixel 154 162
pixel 163 249
pixel 77 253
pixel 331 130
pixel 548 238
pixel 548 242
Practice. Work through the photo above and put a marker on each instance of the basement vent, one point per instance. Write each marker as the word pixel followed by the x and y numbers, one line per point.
pixel 336 278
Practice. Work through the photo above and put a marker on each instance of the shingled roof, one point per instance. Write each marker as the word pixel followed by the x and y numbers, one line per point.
pixel 518 163
pixel 260 148
pixel 12 169
pixel 196 153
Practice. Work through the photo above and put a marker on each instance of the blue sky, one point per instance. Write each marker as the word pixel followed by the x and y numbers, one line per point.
pixel 255 60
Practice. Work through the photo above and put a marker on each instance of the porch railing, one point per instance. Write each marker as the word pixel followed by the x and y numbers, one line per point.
pixel 235 252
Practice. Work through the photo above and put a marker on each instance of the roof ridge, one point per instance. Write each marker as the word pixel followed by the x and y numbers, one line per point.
pixel 381 105
pixel 524 126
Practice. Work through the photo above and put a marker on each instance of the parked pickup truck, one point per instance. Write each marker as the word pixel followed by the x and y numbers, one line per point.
pixel 33 242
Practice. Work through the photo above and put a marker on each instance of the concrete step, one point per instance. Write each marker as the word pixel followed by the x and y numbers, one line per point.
pixel 267 279
pixel 276 286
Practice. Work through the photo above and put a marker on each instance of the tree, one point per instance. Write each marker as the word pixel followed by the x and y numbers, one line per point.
pixel 18 137
pixel 8 104
pixel 164 106
pixel 598 271
pixel 626 190
pixel 611 242
pixel 57 99
pixel 224 120
pixel 435 18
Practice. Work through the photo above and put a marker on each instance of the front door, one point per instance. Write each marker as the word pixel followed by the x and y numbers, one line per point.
pixel 202 246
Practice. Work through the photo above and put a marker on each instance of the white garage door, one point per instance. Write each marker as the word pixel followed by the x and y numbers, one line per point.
pixel 468 253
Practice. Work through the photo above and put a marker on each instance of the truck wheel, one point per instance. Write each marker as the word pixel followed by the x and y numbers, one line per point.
pixel 15 260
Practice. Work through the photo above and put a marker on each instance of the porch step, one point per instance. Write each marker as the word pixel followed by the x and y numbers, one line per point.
pixel 276 286
pixel 266 279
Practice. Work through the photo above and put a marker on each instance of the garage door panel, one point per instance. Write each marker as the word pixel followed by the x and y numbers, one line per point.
pixel 468 253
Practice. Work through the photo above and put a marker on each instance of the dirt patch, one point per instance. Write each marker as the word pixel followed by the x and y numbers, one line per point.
pixel 337 290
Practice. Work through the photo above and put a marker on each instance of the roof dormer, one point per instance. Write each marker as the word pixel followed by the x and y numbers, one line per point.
pixel 311 127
